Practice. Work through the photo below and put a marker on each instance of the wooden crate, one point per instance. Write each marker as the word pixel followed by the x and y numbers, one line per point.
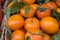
pixel 4 34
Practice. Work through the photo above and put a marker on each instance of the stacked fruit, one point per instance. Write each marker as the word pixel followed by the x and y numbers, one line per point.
pixel 35 20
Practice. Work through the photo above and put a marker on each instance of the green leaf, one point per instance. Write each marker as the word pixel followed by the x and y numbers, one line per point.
pixel 41 9
pixel 15 7
pixel 40 1
pixel 27 9
pixel 56 36
pixel 10 0
pixel 42 33
pixel 54 14
pixel 9 31
pixel 7 12
pixel 46 1
pixel 28 38
pixel 40 4
pixel 33 33
pixel 52 38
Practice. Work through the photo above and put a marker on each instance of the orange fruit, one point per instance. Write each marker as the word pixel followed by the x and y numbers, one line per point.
pixel 43 12
pixel 46 37
pixel 30 11
pixel 57 2
pixel 58 10
pixel 17 35
pixel 36 31
pixel 29 1
pixel 33 36
pixel 34 6
pixel 36 37
pixel 49 25
pixel 50 5
pixel 15 22
pixel 31 23
pixel 45 5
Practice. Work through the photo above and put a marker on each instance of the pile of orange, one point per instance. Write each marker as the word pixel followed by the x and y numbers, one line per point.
pixel 32 22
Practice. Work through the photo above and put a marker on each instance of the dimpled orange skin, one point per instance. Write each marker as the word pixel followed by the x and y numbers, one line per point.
pixel 43 14
pixel 49 25
pixel 33 37
pixel 17 35
pixel 29 14
pixel 15 22
pixel 50 5
pixel 31 23
pixel 29 1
